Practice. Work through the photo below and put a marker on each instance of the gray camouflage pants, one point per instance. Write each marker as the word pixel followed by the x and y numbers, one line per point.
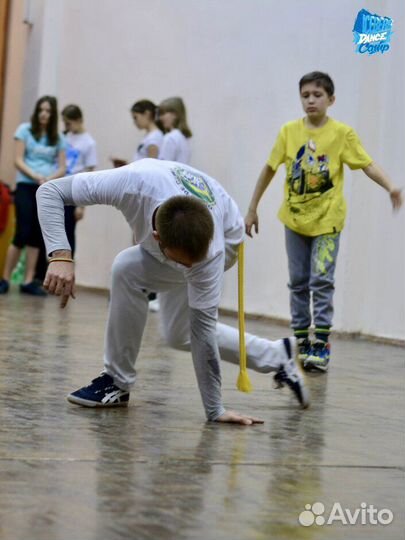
pixel 311 265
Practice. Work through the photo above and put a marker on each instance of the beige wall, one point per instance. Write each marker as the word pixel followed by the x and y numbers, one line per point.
pixel 237 64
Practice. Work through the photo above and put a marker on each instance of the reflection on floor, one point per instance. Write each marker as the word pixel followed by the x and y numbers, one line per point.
pixel 157 471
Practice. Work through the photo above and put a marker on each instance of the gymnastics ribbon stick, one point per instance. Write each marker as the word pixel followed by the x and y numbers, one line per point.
pixel 243 384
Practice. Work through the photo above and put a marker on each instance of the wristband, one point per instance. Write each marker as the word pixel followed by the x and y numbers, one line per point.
pixel 61 259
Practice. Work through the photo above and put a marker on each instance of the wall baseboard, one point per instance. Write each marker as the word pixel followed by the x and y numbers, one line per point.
pixel 340 334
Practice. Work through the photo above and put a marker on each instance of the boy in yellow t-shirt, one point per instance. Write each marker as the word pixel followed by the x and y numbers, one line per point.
pixel 314 150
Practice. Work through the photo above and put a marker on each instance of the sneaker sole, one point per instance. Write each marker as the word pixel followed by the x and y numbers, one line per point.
pixel 305 401
pixel 94 404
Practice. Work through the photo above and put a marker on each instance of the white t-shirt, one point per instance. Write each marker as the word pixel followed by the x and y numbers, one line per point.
pixel 153 138
pixel 139 188
pixel 175 147
pixel 81 152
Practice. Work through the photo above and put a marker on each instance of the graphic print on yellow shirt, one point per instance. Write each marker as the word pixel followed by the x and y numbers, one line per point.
pixel 309 173
pixel 313 193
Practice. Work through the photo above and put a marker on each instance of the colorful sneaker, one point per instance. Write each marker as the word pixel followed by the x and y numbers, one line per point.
pixel 34 289
pixel 318 358
pixel 290 374
pixel 4 286
pixel 304 349
pixel 101 392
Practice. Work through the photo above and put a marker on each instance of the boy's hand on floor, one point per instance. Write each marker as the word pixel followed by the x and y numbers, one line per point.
pixel 233 417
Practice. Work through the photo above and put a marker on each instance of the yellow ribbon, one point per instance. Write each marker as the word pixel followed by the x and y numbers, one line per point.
pixel 243 384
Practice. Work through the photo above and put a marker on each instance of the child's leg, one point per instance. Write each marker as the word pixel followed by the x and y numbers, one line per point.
pixel 299 267
pixel 134 274
pixel 32 258
pixel 175 317
pixel 263 355
pixel 13 255
pixel 323 263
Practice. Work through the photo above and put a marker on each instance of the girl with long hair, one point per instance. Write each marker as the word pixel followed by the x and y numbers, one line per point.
pixel 39 157
pixel 176 142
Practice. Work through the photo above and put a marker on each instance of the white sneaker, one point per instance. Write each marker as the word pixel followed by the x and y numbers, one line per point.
pixel 154 305
pixel 290 373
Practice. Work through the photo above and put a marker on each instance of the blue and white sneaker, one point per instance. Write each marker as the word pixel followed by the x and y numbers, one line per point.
pixel 290 374
pixel 319 357
pixel 101 392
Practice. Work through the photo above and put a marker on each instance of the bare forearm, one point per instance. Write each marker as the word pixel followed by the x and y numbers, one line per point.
pixel 379 176
pixel 263 181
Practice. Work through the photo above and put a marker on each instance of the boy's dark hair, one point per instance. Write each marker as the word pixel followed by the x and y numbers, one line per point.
pixel 52 127
pixel 185 223
pixel 320 79
pixel 72 112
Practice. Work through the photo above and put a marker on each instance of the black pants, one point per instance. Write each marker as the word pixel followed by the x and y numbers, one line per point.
pixel 28 230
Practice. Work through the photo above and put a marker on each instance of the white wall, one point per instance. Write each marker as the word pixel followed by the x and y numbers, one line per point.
pixel 237 64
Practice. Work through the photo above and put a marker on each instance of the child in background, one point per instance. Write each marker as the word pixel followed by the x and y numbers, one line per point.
pixel 144 115
pixel 176 144
pixel 39 157
pixel 81 156
pixel 314 150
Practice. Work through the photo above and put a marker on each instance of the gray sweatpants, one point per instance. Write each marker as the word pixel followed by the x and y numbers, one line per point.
pixel 311 265
pixel 134 274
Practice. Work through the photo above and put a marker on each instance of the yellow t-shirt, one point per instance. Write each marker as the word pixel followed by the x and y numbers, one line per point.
pixel 313 195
